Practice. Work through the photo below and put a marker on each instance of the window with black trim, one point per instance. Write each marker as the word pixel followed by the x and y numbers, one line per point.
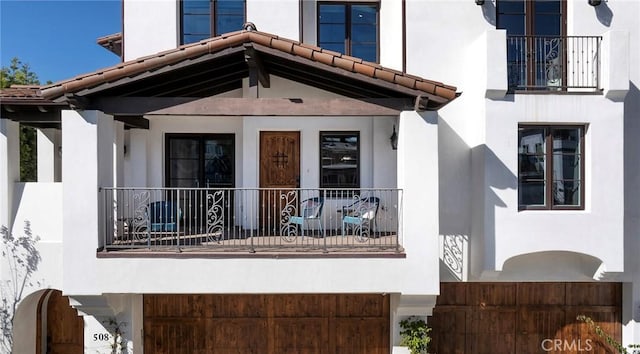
pixel 200 160
pixel 349 28
pixel 202 19
pixel 339 159
pixel 551 167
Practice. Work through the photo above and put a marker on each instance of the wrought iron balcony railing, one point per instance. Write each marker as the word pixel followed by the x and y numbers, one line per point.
pixel 569 63
pixel 273 220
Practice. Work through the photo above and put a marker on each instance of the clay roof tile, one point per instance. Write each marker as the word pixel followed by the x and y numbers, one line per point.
pixel 323 58
pixel 233 39
pixel 343 63
pixel 364 69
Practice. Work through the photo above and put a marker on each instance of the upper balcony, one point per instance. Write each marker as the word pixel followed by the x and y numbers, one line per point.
pixel 264 220
pixel 551 64
pixel 561 63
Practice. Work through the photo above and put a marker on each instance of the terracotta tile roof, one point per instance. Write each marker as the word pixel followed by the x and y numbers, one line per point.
pixel 21 91
pixel 235 39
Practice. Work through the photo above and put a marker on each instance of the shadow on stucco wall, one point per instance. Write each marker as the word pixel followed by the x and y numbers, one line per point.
pixel 21 259
pixel 489 11
pixel 604 13
pixel 631 201
pixel 467 202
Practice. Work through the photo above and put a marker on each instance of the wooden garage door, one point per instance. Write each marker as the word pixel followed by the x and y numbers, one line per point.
pixel 266 324
pixel 524 317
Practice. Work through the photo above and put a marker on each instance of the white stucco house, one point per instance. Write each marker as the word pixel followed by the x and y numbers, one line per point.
pixel 301 175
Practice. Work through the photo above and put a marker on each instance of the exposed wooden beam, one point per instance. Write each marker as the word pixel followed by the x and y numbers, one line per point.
pixel 218 106
pixel 33 116
pixel 136 106
pixel 421 104
pixel 256 67
pixel 133 121
pixel 76 101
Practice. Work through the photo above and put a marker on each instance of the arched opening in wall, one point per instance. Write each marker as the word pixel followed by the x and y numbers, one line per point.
pixel 552 266
pixel 25 323
pixel 54 326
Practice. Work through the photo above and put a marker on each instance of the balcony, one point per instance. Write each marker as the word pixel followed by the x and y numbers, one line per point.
pixel 568 63
pixel 251 220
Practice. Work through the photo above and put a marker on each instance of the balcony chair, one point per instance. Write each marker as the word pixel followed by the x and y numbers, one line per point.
pixel 311 210
pixel 164 216
pixel 361 217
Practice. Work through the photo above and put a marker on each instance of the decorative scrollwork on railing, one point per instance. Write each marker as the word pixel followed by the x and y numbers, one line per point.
pixel 288 231
pixel 360 218
pixel 553 70
pixel 215 215
pixel 453 254
pixel 140 220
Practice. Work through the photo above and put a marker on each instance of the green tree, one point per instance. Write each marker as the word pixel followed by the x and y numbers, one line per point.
pixel 19 73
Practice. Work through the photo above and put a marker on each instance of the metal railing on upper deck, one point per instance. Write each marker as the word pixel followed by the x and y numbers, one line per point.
pixel 252 219
pixel 568 63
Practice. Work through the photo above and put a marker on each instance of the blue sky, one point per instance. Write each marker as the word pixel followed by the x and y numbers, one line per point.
pixel 58 38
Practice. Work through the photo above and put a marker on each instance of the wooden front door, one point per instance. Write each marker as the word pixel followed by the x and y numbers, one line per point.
pixel 65 329
pixel 280 170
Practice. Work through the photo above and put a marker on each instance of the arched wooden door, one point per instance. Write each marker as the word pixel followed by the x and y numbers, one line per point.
pixel 64 329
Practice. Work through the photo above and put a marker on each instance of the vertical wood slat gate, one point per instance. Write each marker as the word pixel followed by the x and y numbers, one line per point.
pixel 313 323
pixel 524 317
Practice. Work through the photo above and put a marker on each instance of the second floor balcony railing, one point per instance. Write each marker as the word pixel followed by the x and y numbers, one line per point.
pixel 568 63
pixel 251 219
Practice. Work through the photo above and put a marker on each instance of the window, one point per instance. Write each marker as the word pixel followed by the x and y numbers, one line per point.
pixel 339 160
pixel 201 161
pixel 201 18
pixel 551 167
pixel 348 28
pixel 535 42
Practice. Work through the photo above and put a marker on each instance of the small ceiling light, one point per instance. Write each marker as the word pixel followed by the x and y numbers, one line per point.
pixel 394 139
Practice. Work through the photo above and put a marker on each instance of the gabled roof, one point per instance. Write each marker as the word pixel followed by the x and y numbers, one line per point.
pixel 218 64
pixel 112 43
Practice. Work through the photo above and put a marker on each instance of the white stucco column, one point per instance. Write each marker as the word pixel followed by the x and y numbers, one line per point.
pixel 615 64
pixel 87 164
pixel 136 169
pixel 47 155
pixel 418 177
pixel 9 168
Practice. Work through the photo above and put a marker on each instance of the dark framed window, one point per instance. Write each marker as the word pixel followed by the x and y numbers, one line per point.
pixel 349 28
pixel 551 167
pixel 200 160
pixel 202 19
pixel 339 160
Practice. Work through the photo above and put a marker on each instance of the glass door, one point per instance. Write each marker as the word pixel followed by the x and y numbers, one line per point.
pixel 535 42
pixel 204 164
